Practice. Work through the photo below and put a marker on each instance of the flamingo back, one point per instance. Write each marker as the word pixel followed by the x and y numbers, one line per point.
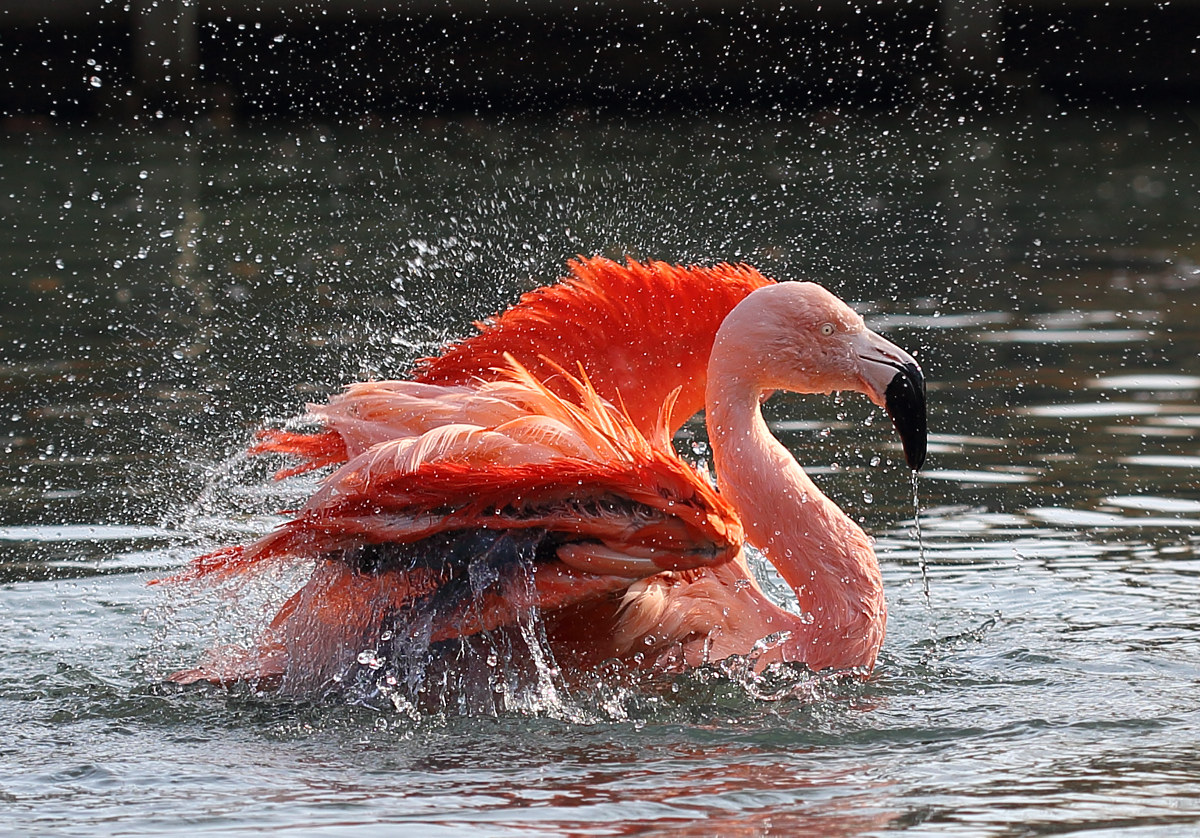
pixel 638 331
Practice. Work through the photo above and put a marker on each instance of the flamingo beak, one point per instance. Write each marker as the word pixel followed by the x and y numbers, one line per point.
pixel 894 381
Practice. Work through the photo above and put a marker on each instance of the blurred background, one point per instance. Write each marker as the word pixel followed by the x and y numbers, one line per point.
pixel 116 59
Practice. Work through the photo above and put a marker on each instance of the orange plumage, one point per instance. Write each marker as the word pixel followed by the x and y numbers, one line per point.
pixel 530 468
pixel 423 463
pixel 638 332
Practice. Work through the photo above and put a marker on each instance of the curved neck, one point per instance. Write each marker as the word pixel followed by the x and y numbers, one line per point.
pixel 823 555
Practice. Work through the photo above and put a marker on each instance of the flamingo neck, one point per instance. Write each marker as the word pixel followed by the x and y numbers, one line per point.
pixel 820 552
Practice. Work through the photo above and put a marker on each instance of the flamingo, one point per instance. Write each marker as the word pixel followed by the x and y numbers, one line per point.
pixel 530 467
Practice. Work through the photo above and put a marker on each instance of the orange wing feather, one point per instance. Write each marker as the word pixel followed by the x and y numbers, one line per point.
pixel 639 331
pixel 496 435
pixel 629 493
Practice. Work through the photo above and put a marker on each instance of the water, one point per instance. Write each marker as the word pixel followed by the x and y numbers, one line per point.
pixel 166 294
pixel 922 562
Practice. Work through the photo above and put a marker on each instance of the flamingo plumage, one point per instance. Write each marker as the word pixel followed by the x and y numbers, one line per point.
pixel 799 337
pixel 544 443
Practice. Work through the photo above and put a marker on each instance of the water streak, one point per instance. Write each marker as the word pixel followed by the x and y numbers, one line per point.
pixel 923 563
pixel 920 543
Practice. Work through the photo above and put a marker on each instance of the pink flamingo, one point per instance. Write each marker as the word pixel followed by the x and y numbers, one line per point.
pixel 542 445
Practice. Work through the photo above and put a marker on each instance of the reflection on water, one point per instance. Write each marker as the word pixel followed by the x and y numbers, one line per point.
pixel 168 294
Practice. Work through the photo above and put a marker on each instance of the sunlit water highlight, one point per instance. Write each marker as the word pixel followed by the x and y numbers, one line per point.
pixel 1040 670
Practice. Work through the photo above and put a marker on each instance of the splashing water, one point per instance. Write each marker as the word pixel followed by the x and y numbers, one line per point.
pixel 396 666
pixel 509 669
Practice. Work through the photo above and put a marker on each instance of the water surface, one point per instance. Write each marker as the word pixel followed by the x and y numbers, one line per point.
pixel 168 292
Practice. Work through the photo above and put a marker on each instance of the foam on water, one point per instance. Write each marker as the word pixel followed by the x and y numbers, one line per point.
pixel 84 532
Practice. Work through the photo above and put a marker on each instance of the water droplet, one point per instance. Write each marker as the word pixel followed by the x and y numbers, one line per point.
pixel 370 658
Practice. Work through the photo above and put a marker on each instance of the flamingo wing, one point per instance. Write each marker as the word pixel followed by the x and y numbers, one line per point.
pixel 639 332
pixel 488 501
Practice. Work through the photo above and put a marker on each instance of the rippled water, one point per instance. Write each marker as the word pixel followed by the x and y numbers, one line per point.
pixel 168 293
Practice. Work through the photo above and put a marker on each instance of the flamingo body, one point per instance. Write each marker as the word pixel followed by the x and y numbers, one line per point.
pixel 501 481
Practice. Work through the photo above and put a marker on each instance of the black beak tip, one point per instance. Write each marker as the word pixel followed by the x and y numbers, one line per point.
pixel 904 400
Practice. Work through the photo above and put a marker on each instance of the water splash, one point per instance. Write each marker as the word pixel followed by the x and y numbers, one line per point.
pixel 238 498
pixel 392 665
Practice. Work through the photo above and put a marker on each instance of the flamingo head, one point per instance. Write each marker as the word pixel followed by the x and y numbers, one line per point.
pixel 797 336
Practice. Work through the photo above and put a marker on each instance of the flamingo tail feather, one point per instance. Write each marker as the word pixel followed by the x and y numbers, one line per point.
pixel 315 450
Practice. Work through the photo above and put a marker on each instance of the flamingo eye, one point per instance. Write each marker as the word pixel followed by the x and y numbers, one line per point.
pixel 827 329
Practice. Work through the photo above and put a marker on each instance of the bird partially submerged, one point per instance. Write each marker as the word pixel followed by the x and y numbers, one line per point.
pixel 529 470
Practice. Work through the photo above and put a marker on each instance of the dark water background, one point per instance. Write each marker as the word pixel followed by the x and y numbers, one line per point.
pixel 167 292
